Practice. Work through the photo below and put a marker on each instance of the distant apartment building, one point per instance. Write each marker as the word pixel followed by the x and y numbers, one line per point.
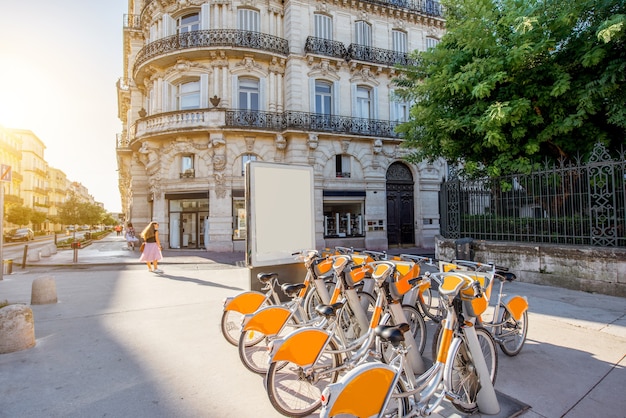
pixel 34 184
pixel 209 86
pixel 11 156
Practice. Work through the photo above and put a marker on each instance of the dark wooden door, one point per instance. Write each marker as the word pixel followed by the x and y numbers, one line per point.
pixel 400 216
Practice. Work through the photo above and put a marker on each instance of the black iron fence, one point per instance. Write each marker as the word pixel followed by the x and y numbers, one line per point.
pixel 578 204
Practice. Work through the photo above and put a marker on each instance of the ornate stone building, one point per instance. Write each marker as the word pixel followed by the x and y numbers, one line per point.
pixel 210 85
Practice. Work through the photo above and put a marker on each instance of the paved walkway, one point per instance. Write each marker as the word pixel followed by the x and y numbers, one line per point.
pixel 124 342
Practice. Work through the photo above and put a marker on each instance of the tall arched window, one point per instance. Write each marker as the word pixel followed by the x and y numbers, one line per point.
pixel 248 93
pixel 399 41
pixel 188 23
pixel 323 26
pixel 363 33
pixel 363 102
pixel 248 19
pixel 323 97
pixel 188 95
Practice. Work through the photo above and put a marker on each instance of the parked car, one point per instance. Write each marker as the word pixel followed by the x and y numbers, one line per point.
pixel 20 234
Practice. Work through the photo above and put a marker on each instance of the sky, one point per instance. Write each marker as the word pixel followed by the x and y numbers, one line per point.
pixel 59 62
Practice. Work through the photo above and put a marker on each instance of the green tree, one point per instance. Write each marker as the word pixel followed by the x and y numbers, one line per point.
pixel 515 81
pixel 19 215
pixel 37 218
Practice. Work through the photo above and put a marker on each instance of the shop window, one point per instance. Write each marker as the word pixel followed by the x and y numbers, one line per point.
pixel 343 219
pixel 342 165
pixel 239 218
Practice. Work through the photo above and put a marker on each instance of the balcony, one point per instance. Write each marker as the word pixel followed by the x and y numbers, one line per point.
pixel 303 121
pixel 378 56
pixel 231 38
pixel 426 7
pixel 326 47
pixel 180 120
pixel 13 199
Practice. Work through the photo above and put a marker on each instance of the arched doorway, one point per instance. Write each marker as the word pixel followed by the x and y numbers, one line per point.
pixel 400 216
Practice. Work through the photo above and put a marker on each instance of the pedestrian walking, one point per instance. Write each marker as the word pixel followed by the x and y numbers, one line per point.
pixel 131 236
pixel 151 254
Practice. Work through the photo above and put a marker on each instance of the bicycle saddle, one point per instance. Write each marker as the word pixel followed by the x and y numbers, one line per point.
pixel 292 290
pixel 266 277
pixel 392 333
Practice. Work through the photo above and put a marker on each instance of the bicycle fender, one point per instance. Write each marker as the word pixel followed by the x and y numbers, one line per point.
pixel 245 303
pixel 268 320
pixel 302 346
pixel 516 306
pixel 362 392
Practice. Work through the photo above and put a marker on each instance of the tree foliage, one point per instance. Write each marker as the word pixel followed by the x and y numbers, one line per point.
pixel 76 212
pixel 515 81
pixel 19 215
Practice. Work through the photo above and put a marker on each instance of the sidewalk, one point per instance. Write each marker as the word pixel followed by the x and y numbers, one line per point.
pixel 124 342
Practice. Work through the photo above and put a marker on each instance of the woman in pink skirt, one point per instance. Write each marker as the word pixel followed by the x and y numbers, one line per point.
pixel 151 254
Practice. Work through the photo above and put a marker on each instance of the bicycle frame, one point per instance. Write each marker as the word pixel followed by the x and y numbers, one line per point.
pixel 367 389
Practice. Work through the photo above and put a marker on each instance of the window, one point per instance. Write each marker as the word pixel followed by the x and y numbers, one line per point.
pixel 399 109
pixel 188 96
pixel 342 165
pixel 188 23
pixel 363 33
pixel 343 219
pixel 323 97
pixel 249 20
pixel 186 166
pixel 399 40
pixel 239 218
pixel 244 159
pixel 363 102
pixel 248 93
pixel 431 42
pixel 323 27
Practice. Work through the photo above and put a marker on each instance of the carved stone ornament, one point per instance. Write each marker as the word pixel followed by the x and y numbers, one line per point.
pixel 377 146
pixel 313 141
pixel 280 142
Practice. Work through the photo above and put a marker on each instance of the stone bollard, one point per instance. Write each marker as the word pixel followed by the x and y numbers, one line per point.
pixel 17 328
pixel 44 291
pixel 53 249
pixel 45 251
pixel 34 255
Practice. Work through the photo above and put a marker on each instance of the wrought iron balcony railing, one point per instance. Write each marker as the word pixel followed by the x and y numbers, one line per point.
pixel 304 121
pixel 378 55
pixel 427 7
pixel 327 47
pixel 213 38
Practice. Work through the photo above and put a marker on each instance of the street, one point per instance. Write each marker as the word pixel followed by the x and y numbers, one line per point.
pixel 125 342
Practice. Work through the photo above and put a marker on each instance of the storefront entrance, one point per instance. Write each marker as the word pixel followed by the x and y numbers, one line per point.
pixel 188 221
pixel 400 216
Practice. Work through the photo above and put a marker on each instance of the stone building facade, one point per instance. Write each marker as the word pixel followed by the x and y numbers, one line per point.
pixel 210 85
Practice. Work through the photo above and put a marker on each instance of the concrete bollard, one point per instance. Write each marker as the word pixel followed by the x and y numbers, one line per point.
pixel 17 328
pixel 53 248
pixel 44 291
pixel 45 251
pixel 34 255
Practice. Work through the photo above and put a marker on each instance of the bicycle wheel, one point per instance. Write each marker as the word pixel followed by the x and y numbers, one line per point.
pixel 348 322
pixel 431 305
pixel 231 326
pixel 462 378
pixel 418 330
pixel 312 299
pixel 253 348
pixel 294 393
pixel 511 335
pixel 399 404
